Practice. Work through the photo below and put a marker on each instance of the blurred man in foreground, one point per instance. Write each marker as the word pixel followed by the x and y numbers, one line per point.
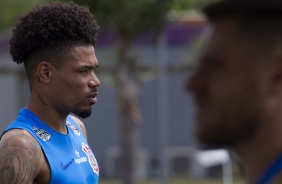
pixel 238 85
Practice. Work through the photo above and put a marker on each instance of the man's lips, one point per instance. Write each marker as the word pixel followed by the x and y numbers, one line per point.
pixel 92 98
pixel 198 102
pixel 201 106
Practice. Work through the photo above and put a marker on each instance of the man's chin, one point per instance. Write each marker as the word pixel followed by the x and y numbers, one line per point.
pixel 217 140
pixel 209 143
pixel 208 138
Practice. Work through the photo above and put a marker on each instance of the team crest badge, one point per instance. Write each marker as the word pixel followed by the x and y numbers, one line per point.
pixel 91 158
pixel 74 128
pixel 42 134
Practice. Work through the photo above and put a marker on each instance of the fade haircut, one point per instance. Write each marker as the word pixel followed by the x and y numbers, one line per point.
pixel 49 32
pixel 259 21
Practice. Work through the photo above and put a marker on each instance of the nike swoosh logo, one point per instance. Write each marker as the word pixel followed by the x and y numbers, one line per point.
pixel 64 167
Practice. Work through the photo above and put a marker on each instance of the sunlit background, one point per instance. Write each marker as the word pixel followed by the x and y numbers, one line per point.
pixel 142 127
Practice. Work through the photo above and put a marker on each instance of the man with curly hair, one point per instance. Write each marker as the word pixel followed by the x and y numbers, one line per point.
pixel 45 144
pixel 238 85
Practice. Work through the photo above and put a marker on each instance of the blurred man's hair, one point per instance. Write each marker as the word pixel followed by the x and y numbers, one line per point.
pixel 244 8
pixel 259 21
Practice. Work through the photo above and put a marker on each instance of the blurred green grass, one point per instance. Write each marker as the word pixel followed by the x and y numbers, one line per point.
pixel 178 180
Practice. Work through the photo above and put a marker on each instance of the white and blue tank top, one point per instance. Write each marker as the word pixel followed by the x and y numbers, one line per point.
pixel 69 155
pixel 272 171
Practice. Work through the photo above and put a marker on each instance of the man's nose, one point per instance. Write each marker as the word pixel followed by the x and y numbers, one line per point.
pixel 94 81
pixel 195 82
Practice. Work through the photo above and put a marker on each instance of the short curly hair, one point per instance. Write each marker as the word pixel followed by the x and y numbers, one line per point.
pixel 48 31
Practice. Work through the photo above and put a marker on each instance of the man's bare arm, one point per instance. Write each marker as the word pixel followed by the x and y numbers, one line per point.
pixel 20 158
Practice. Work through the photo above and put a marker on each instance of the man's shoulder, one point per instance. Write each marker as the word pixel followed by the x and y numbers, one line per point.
pixel 80 124
pixel 76 119
pixel 20 156
pixel 19 138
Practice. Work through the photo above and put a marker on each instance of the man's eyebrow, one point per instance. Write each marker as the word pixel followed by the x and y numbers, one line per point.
pixel 211 59
pixel 89 67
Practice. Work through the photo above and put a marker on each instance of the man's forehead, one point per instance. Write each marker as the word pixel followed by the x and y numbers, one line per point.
pixel 226 26
pixel 218 34
pixel 222 43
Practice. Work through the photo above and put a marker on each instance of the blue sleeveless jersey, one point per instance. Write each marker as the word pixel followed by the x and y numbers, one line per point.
pixel 70 158
pixel 272 171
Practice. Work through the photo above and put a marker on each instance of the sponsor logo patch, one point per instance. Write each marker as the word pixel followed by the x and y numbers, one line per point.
pixel 79 160
pixel 42 134
pixel 77 153
pixel 91 158
pixel 74 128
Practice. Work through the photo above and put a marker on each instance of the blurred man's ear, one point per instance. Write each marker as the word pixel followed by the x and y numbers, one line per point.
pixel 275 76
pixel 43 72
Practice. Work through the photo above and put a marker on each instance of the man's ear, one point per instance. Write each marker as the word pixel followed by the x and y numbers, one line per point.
pixel 276 76
pixel 43 72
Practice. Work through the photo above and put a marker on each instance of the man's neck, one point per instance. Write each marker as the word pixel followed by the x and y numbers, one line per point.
pixel 258 155
pixel 48 115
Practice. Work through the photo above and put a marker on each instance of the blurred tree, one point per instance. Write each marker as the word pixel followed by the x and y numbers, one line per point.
pixel 12 9
pixel 180 5
pixel 129 19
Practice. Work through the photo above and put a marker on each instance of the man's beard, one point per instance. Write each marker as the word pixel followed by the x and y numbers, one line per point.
pixel 230 136
pixel 84 113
